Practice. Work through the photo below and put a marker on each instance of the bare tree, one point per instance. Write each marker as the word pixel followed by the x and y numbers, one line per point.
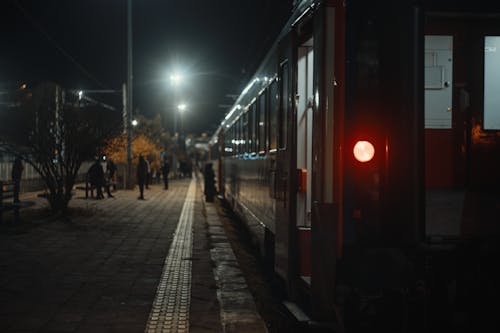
pixel 56 134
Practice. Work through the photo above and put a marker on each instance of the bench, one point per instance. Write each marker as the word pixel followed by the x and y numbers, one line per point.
pixel 87 188
pixel 6 193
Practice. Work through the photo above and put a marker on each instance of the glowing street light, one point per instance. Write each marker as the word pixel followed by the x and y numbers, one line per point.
pixel 135 122
pixel 181 108
pixel 176 79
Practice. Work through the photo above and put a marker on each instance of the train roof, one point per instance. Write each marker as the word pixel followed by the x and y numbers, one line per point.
pixel 266 72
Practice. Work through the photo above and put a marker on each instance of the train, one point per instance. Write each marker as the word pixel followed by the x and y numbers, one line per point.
pixel 364 158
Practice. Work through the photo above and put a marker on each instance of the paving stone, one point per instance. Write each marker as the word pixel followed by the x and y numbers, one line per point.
pixel 101 272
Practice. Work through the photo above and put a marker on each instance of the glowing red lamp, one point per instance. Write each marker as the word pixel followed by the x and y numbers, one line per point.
pixel 363 151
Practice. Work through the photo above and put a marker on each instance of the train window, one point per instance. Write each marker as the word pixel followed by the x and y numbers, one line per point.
pixel 231 135
pixel 241 149
pixel 237 137
pixel 273 115
pixel 244 128
pixel 251 128
pixel 262 123
pixel 491 82
pixel 233 138
pixel 228 146
pixel 284 105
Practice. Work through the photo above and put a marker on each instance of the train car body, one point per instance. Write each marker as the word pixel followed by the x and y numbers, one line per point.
pixel 364 154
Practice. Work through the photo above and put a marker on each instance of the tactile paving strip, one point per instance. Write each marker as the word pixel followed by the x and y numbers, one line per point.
pixel 170 311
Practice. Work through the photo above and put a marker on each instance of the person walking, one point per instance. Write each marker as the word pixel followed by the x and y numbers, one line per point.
pixel 158 176
pixel 96 178
pixel 111 171
pixel 107 184
pixel 142 173
pixel 17 171
pixel 148 174
pixel 165 169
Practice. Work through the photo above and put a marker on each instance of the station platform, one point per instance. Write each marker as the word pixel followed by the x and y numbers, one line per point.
pixel 162 264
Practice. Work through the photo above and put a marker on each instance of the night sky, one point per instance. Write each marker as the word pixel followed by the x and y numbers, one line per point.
pixel 82 44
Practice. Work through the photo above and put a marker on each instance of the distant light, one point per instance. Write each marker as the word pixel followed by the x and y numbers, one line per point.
pixel 80 94
pixel 363 151
pixel 23 86
pixel 176 79
pixel 135 122
pixel 182 107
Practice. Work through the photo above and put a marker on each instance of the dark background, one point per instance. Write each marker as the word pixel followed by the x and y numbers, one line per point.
pixel 82 44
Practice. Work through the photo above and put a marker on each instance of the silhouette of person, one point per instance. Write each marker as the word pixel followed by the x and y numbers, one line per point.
pixel 158 176
pixel 165 169
pixel 142 174
pixel 111 171
pixel 96 178
pixel 148 173
pixel 17 171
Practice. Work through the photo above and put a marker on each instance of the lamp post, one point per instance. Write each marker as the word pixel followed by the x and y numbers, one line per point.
pixel 181 108
pixel 181 140
pixel 176 80
pixel 129 102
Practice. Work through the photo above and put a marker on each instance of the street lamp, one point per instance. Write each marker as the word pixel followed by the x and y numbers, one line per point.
pixel 181 108
pixel 128 101
pixel 176 79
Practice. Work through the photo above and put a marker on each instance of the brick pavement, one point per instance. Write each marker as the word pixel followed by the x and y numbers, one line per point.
pixel 100 273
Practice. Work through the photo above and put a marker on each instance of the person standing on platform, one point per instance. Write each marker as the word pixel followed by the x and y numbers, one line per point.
pixel 148 174
pixel 108 182
pixel 111 171
pixel 142 174
pixel 165 169
pixel 17 171
pixel 158 176
pixel 96 178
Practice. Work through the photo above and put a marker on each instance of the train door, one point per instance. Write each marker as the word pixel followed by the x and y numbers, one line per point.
pixel 462 146
pixel 442 188
pixel 282 241
pixel 304 118
pixel 324 156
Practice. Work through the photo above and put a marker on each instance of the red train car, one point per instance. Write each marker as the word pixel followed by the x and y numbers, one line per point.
pixel 364 156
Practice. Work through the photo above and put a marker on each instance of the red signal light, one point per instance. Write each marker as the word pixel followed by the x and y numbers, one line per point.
pixel 363 151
